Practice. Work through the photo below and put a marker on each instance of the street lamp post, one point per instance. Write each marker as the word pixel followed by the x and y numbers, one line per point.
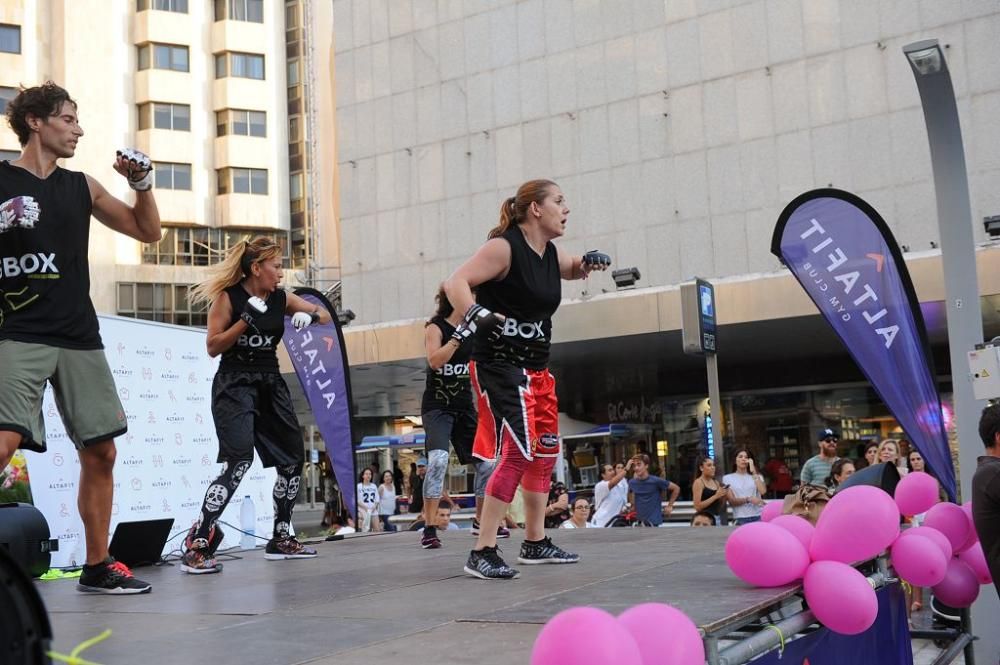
pixel 958 259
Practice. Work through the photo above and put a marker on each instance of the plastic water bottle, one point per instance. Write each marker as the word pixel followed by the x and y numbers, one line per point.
pixel 248 520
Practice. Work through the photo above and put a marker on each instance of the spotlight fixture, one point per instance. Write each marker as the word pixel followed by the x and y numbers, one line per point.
pixel 625 278
pixel 992 225
pixel 345 316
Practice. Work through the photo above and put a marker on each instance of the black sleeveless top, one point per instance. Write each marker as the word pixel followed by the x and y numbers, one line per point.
pixel 254 350
pixel 706 494
pixel 527 296
pixel 44 271
pixel 448 387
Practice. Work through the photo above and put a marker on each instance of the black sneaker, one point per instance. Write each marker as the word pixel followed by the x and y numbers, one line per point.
pixel 502 531
pixel 486 564
pixel 429 539
pixel 287 548
pixel 111 577
pixel 544 551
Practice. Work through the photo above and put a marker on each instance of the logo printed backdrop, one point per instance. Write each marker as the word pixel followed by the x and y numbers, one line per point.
pixel 166 460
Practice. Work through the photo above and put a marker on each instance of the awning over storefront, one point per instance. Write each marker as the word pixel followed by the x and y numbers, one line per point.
pixel 612 430
pixel 408 440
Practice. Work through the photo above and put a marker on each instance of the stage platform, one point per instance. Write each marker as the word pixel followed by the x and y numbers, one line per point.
pixel 383 599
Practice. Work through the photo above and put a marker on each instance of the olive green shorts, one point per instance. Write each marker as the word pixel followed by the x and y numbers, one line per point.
pixel 84 390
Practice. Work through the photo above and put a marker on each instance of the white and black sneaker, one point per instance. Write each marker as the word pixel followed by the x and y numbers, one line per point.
pixel 543 551
pixel 502 531
pixel 486 564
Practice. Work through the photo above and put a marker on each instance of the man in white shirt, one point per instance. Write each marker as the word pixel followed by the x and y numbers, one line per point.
pixel 611 493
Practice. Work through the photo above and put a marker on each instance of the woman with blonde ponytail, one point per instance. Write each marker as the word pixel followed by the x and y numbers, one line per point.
pixel 250 401
pixel 517 274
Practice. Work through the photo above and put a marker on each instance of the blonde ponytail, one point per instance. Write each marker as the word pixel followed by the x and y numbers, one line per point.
pixel 234 268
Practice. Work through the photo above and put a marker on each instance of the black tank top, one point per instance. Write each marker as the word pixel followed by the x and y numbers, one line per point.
pixel 527 296
pixel 44 271
pixel 254 350
pixel 448 387
pixel 706 494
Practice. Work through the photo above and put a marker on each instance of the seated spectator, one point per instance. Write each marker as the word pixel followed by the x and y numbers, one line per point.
pixel 703 519
pixel 645 492
pixel 580 519
pixel 557 511
pixel 444 522
pixel 841 470
pixel 780 481
pixel 338 527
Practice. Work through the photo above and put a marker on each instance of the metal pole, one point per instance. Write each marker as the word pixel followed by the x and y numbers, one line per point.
pixel 958 259
pixel 715 400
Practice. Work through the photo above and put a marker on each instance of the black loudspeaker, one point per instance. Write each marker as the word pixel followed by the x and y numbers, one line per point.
pixel 24 533
pixel 25 632
pixel 884 476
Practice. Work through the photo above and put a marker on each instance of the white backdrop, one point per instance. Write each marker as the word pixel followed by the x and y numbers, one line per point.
pixel 166 460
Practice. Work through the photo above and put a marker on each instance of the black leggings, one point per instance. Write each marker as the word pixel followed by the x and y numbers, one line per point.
pixel 222 489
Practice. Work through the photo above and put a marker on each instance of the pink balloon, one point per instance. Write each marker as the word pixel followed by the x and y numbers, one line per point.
pixel 973 536
pixel 960 587
pixel 798 526
pixel 950 520
pixel 664 635
pixel 771 510
pixel 840 597
pixel 919 560
pixel 934 535
pixel 916 493
pixel 975 559
pixel 765 555
pixel 607 640
pixel 856 525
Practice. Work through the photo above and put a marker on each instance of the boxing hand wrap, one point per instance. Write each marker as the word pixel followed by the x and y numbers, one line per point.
pixel 596 259
pixel 302 319
pixel 140 169
pixel 254 308
pixel 483 323
pixel 20 212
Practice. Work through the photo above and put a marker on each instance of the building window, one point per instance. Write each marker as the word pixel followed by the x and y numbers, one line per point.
pixel 296 196
pixel 156 115
pixel 240 10
pixel 201 245
pixel 167 303
pixel 9 155
pixel 6 95
pixel 163 56
pixel 293 72
pixel 240 122
pixel 242 181
pixel 294 126
pixel 10 38
pixel 172 176
pixel 239 65
pixel 291 16
pixel 179 6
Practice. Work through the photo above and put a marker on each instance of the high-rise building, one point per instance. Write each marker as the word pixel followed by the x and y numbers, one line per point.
pixel 214 93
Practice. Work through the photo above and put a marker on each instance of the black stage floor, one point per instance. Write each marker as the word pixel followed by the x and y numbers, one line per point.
pixel 382 599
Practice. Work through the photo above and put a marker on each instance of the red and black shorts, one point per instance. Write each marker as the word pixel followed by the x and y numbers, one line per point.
pixel 518 423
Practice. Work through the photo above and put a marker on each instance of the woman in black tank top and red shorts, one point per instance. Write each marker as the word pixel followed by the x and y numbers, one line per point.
pixel 250 401
pixel 517 275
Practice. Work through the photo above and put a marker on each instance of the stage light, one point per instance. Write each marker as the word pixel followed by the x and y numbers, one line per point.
pixel 625 278
pixel 992 225
pixel 345 316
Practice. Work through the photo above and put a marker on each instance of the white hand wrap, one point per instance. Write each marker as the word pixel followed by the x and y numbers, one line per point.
pixel 300 320
pixel 140 169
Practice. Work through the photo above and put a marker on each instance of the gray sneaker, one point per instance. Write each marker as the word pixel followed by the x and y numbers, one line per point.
pixel 544 551
pixel 486 564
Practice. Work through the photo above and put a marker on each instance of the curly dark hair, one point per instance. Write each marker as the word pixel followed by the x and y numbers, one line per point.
pixel 41 101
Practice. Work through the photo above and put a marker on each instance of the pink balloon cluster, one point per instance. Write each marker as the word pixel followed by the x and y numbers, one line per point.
pixel 944 554
pixel 647 634
pixel 857 524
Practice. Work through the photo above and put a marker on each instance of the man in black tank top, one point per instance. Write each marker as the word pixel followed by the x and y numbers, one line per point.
pixel 517 274
pixel 251 405
pixel 48 326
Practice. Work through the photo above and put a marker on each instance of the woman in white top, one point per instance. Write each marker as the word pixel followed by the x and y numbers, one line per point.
pixel 387 500
pixel 611 493
pixel 367 501
pixel 746 487
pixel 578 516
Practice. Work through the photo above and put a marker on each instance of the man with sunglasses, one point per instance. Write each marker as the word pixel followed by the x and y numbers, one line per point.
pixel 817 468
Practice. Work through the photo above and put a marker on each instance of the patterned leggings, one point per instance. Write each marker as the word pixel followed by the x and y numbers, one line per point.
pixel 222 489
